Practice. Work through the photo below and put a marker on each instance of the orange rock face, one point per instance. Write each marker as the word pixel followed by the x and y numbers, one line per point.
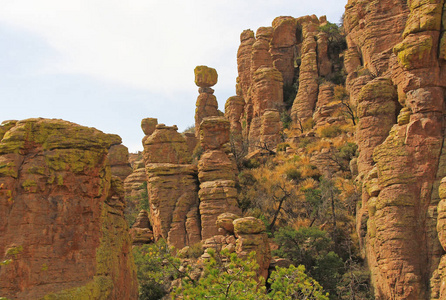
pixel 141 231
pixel 217 175
pixel 244 58
pixel 118 157
pixel 304 104
pixel 267 93
pixel 62 228
pixel 401 141
pixel 207 105
pixel 172 187
pixel 292 53
pixel 251 236
pixel 282 47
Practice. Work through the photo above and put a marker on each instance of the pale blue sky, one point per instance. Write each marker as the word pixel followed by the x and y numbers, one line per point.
pixel 108 64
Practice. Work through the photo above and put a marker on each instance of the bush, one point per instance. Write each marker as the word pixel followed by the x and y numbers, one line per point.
pixel 293 174
pixel 282 147
pixel 329 131
pixel 156 266
pixel 222 280
pixel 311 247
pixel 251 163
pixel 340 93
pixel 289 94
pixel 136 203
pixel 227 276
pixel 293 283
pixel 286 119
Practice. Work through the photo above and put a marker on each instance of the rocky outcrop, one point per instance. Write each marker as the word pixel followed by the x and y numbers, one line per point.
pixel 292 53
pixel 206 105
pixel 118 157
pixel 141 231
pixel 62 228
pixel 242 236
pixel 217 175
pixel 267 94
pixel 282 46
pixel 172 187
pixel 396 74
pixel 233 112
pixel 251 236
pixel 134 183
pixel 304 104
pixel 244 58
pixel 270 129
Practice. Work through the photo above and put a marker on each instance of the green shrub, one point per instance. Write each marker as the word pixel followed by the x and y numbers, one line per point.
pixel 227 276
pixel 251 163
pixel 293 174
pixel 330 131
pixel 282 147
pixel 286 119
pixel 294 283
pixel 156 267
pixel 311 247
pixel 198 152
pixel 289 94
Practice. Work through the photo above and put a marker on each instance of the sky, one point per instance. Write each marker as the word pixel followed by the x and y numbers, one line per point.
pixel 110 63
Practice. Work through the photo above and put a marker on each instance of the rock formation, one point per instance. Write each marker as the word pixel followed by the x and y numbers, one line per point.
pixel 304 104
pixel 184 210
pixel 62 229
pixel 141 231
pixel 206 105
pixel 217 175
pixel 118 157
pixel 394 60
pixel 283 42
pixel 244 58
pixel 172 187
pixel 294 52
pixel 242 236
pixel 267 93
pixel 251 236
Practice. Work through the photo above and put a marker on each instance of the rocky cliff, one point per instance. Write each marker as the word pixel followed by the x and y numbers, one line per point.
pixel 396 77
pixel 62 230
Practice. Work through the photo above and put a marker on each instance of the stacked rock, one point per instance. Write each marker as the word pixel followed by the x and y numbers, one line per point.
pixel 207 105
pixel 217 175
pixel 141 231
pixel 172 187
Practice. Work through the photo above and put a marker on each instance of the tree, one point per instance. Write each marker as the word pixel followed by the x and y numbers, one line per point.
pixel 293 283
pixel 312 248
pixel 226 276
pixel 156 266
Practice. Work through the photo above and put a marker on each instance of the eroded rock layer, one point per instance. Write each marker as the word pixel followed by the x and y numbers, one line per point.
pixel 217 173
pixel 172 187
pixel 62 228
pixel 396 76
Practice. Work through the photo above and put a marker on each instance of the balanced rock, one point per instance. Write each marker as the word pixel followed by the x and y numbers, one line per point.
pixel 205 77
pixel 225 221
pixel 206 105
